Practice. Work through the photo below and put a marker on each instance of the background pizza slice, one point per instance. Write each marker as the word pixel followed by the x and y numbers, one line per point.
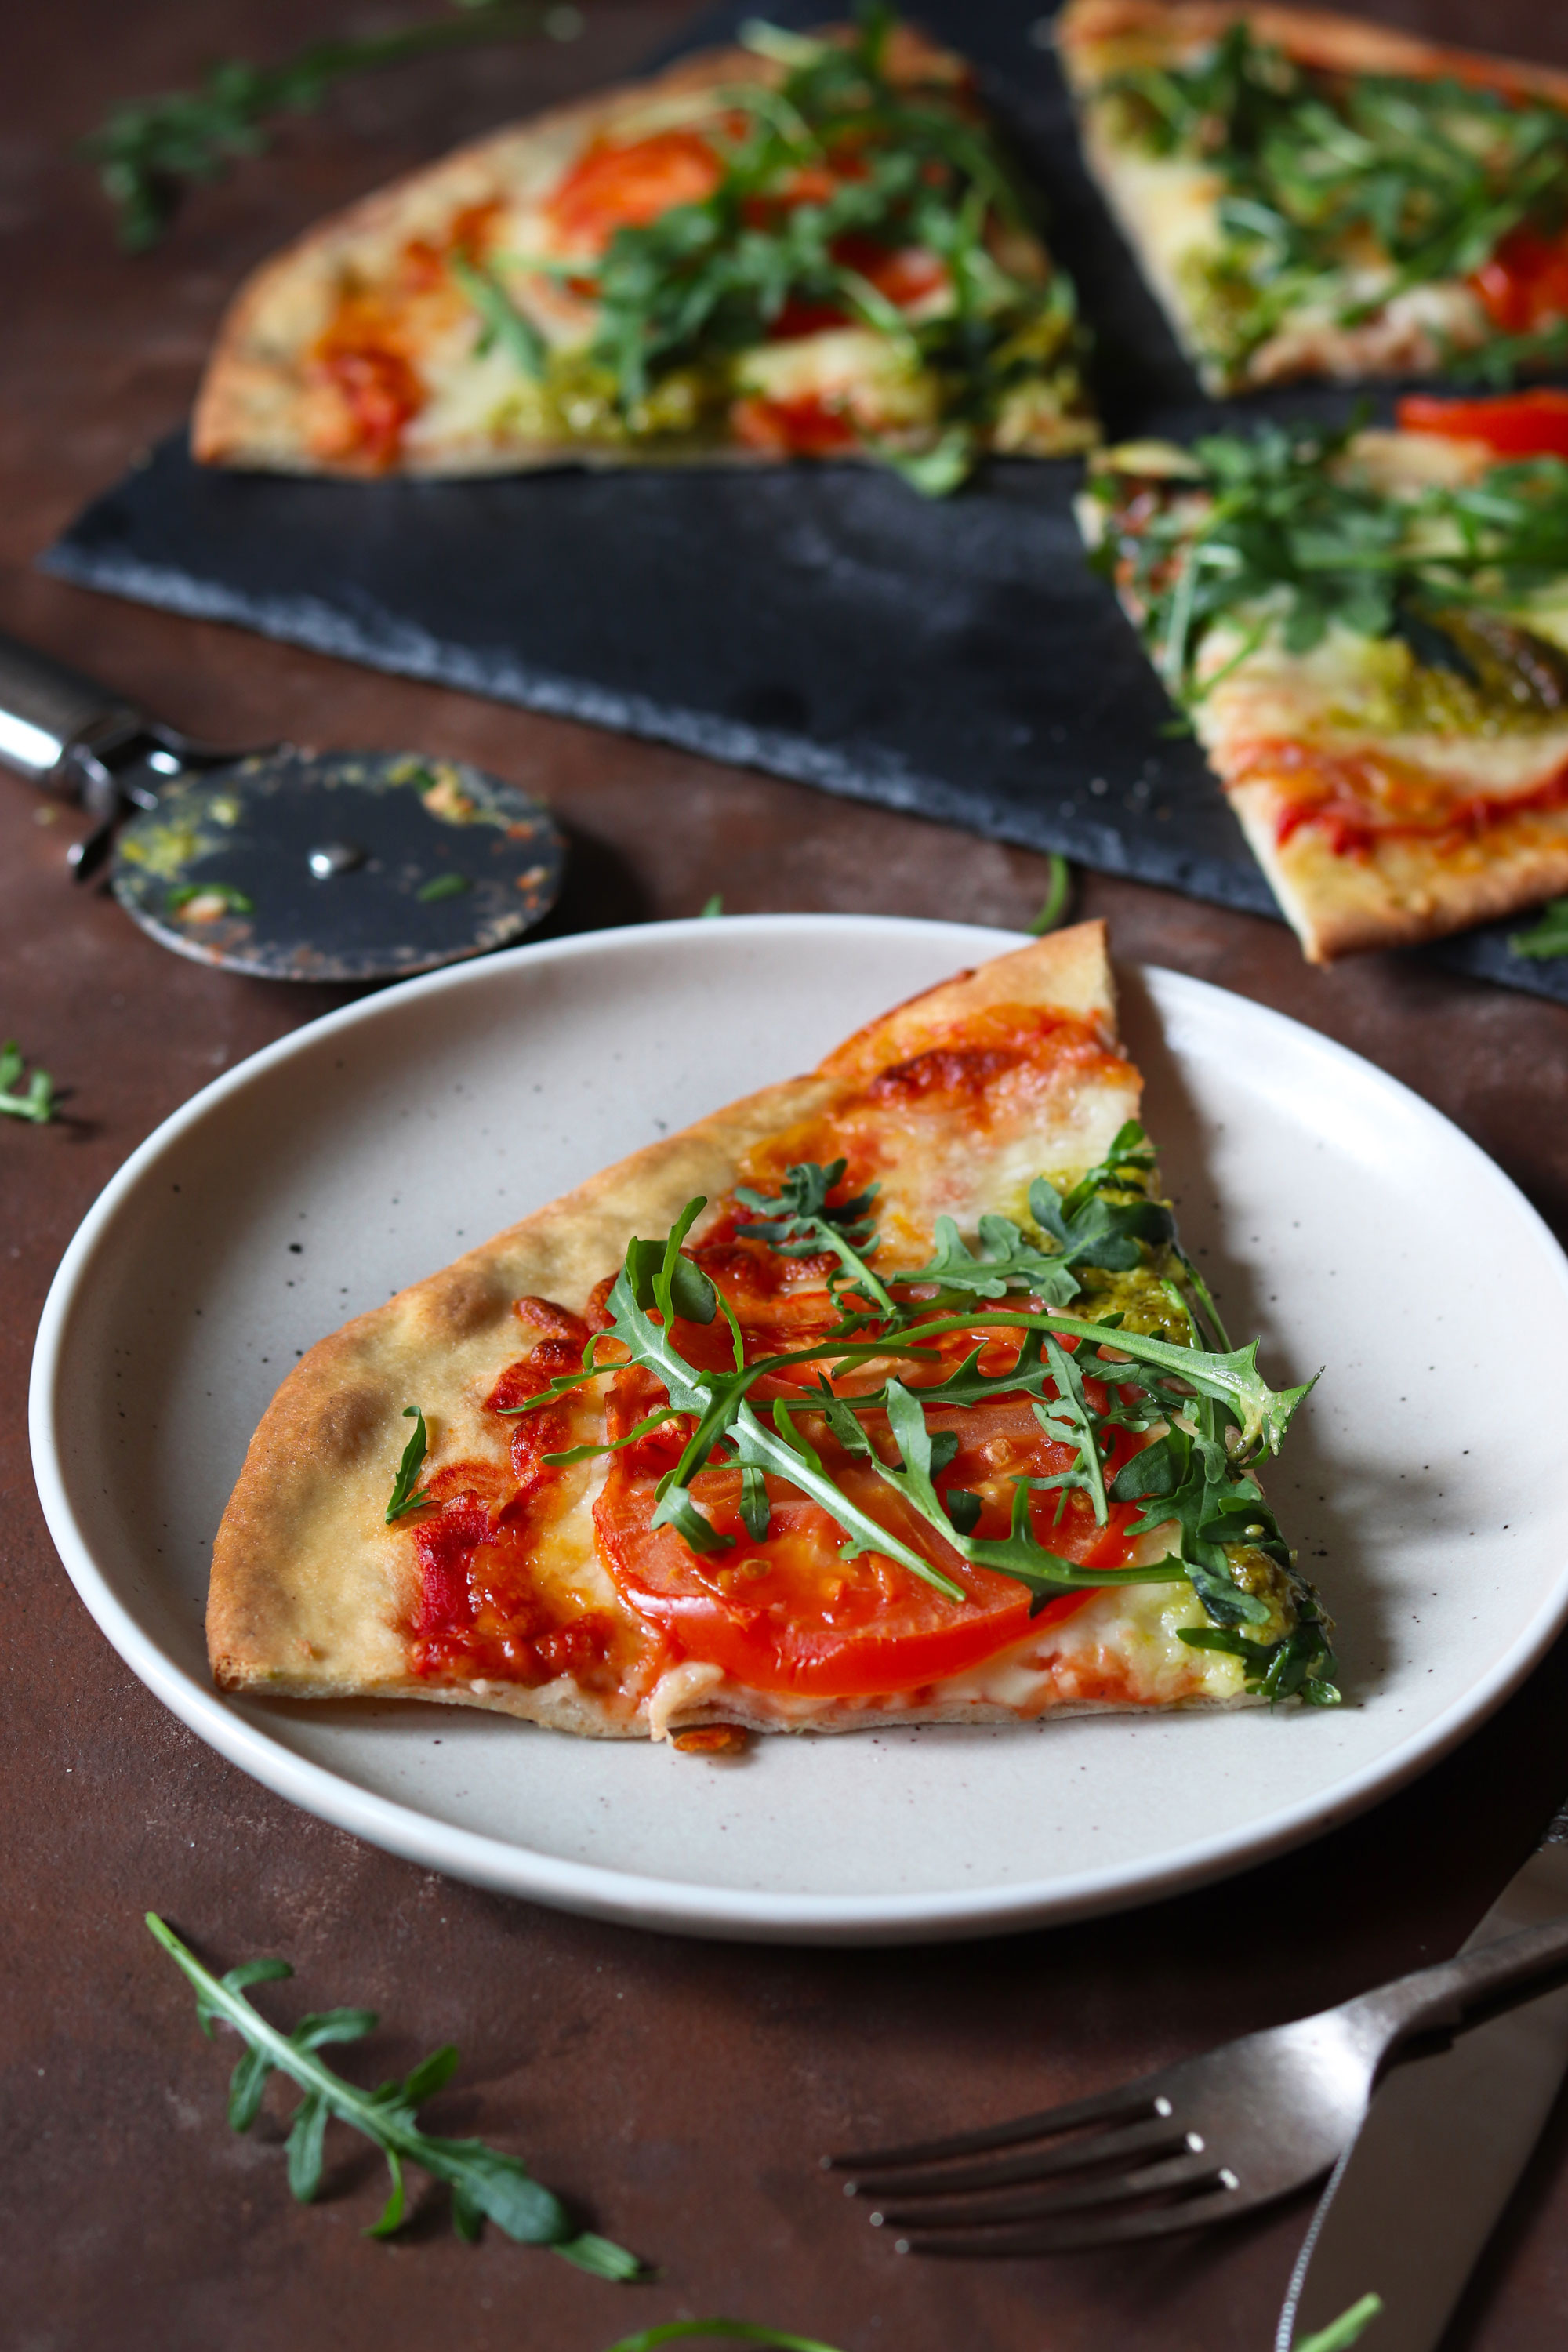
pixel 1310 195
pixel 808 247
pixel 901 1522
pixel 1370 634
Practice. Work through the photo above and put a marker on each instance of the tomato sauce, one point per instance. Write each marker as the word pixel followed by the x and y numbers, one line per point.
pixel 1520 424
pixel 1357 800
pixel 1524 283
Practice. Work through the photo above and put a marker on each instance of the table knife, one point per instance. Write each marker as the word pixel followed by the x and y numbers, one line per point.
pixel 1420 2188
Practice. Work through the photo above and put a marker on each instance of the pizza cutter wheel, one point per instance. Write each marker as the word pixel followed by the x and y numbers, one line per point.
pixel 282 861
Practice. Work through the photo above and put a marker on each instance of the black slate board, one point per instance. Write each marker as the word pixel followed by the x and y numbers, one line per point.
pixel 955 658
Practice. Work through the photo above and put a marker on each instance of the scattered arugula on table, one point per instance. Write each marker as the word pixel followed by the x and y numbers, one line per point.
pixel 903 166
pixel 1546 936
pixel 711 908
pixel 1059 893
pixel 1435 173
pixel 1279 531
pixel 150 150
pixel 450 884
pixel 1338 2338
pixel 38 1103
pixel 1209 1399
pixel 485 2184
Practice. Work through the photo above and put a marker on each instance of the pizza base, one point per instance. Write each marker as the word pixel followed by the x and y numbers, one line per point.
pixel 311 1589
pixel 1167 208
pixel 253 409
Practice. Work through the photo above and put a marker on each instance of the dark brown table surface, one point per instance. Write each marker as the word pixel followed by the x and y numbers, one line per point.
pixel 681 2090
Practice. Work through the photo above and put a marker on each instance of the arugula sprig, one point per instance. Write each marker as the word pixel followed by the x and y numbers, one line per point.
pixel 1211 1403
pixel 1435 175
pixel 1282 534
pixel 37 1102
pixel 1343 2332
pixel 150 152
pixel 406 1497
pixel 485 2184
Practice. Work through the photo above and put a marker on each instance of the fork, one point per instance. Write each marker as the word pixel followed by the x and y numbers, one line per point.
pixel 1199 2142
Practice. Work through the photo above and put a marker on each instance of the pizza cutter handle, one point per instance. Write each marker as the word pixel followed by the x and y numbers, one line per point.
pixel 57 727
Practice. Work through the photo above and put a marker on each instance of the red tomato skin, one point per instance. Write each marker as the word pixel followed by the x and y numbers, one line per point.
pixel 1518 424
pixel 611 187
pixel 1525 285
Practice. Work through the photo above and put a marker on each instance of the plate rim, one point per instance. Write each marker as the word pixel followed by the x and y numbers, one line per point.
pixel 599 1890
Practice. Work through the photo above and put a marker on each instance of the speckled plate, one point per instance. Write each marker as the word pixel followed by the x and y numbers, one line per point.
pixel 1420 1481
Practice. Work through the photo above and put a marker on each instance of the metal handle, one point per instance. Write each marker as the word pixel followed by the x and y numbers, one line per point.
pixel 1464 1992
pixel 48 712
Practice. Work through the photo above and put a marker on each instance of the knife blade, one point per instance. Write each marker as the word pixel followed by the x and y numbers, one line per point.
pixel 1419 2191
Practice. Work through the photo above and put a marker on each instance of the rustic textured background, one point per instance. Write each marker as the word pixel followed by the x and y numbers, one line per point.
pixel 681 2090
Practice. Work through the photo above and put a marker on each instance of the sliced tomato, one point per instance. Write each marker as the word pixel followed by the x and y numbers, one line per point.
pixel 1518 424
pixel 626 186
pixel 381 393
pixel 789 1613
pixel 1525 285
pixel 794 428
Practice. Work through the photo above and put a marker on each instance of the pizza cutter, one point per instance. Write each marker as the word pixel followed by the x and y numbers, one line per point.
pixel 287 863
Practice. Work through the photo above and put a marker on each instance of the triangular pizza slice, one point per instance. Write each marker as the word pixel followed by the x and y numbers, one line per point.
pixel 803 247
pixel 886 1395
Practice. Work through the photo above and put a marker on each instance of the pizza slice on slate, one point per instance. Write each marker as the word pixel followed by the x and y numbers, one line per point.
pixel 1308 194
pixel 906 1407
pixel 806 247
pixel 1370 633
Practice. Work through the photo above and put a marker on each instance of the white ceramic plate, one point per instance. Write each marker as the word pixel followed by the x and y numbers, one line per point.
pixel 1335 1212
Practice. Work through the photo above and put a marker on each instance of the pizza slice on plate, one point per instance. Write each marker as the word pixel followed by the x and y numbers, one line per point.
pixel 1370 633
pixel 1308 194
pixel 886 1395
pixel 800 247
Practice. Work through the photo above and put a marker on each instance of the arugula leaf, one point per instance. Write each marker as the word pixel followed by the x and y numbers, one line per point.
pixel 794 1220
pixel 1548 936
pixel 501 322
pixel 1059 893
pixel 763 1449
pixel 1282 532
pixel 150 150
pixel 38 1104
pixel 404 1499
pixel 485 2184
pixel 1068 1422
pixel 187 893
pixel 1346 2330
pixel 1003 1261
pixel 741 2331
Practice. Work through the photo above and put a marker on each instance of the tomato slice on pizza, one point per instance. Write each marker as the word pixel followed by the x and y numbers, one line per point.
pixel 1310 194
pixel 1370 633
pixel 806 246
pixel 885 1395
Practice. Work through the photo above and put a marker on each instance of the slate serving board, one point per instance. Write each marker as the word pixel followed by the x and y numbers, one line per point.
pixel 954 659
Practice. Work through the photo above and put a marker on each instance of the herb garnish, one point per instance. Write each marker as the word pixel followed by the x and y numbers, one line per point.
pixel 890 167
pixel 1215 1409
pixel 1318 167
pixel 405 1499
pixel 1058 892
pixel 485 2184
pixel 38 1102
pixel 1337 2338
pixel 1282 532
pixel 1546 937
pixel 150 150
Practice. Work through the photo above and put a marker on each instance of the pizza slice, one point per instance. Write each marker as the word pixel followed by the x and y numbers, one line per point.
pixel 1369 632
pixel 806 246
pixel 886 1395
pixel 1308 194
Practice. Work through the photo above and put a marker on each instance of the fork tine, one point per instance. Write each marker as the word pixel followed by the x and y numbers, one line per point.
pixel 1216 2202
pixel 1178 2175
pixel 1128 2099
pixel 1123 2143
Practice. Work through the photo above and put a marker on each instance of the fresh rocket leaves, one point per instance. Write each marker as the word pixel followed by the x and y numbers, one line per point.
pixel 485 2184
pixel 1547 936
pixel 403 1497
pixel 1203 1411
pixel 1338 2338
pixel 823 179
pixel 150 150
pixel 1281 533
pixel 37 1102
pixel 1319 169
